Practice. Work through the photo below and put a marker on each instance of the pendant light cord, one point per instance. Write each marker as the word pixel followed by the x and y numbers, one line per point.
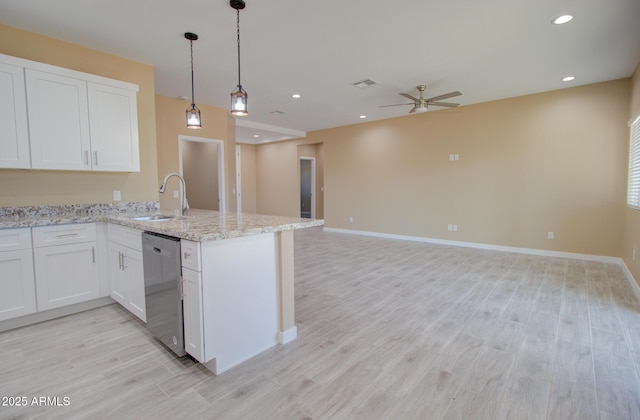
pixel 192 90
pixel 238 26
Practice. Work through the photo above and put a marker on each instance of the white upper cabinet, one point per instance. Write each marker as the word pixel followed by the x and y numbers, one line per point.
pixel 76 121
pixel 14 132
pixel 113 120
pixel 58 121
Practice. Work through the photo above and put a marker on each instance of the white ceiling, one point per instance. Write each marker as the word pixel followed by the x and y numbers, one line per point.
pixel 488 50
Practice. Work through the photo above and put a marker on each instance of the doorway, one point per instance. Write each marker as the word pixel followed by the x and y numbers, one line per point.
pixel 201 163
pixel 307 187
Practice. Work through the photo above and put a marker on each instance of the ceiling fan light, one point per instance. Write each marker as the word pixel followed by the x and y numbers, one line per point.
pixel 420 109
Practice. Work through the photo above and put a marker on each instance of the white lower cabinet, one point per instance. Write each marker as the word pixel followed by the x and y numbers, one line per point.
pixel 126 269
pixel 192 312
pixel 230 299
pixel 66 269
pixel 17 282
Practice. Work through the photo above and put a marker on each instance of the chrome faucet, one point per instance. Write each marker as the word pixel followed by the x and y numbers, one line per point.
pixel 184 205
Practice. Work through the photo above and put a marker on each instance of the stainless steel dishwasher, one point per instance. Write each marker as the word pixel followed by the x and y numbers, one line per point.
pixel 163 289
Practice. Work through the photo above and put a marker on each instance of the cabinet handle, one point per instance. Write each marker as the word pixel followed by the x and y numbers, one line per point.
pixel 95 158
pixel 66 235
pixel 186 255
pixel 93 254
pixel 86 158
pixel 124 266
pixel 181 281
pixel 120 260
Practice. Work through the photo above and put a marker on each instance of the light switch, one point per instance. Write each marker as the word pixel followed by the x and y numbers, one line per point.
pixel 116 195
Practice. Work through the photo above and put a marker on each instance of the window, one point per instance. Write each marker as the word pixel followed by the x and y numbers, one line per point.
pixel 633 184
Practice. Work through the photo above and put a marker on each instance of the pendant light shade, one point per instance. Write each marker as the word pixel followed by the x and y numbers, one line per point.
pixel 193 113
pixel 239 103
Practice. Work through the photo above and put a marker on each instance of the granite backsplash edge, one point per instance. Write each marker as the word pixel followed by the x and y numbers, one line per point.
pixel 79 209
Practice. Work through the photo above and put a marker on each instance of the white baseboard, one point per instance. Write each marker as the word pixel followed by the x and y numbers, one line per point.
pixel 530 251
pixel 632 280
pixel 288 335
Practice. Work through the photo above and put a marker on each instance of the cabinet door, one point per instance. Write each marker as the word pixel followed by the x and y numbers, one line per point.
pixel 58 121
pixel 127 279
pixel 113 121
pixel 66 274
pixel 17 287
pixel 192 311
pixel 119 288
pixel 135 277
pixel 14 131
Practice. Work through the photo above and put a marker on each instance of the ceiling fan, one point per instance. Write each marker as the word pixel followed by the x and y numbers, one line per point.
pixel 420 104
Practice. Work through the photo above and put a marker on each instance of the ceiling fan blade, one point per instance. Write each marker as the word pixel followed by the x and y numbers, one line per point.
pixel 406 95
pixel 447 104
pixel 412 110
pixel 445 96
pixel 384 106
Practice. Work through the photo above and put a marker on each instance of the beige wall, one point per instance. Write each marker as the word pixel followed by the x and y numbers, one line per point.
pixel 217 124
pixel 553 161
pixel 32 187
pixel 278 176
pixel 248 169
pixel 631 238
pixel 200 173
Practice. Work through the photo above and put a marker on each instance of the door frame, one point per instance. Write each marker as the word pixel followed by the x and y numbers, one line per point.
pixel 313 184
pixel 222 196
pixel 238 179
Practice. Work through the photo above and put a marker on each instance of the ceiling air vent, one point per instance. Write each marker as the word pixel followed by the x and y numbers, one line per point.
pixel 277 112
pixel 362 84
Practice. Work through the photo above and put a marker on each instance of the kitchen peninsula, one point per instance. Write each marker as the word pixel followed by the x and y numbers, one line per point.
pixel 237 271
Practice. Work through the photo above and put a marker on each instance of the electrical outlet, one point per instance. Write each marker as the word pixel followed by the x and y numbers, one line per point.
pixel 176 194
pixel 455 228
pixel 350 219
pixel 549 235
pixel 452 228
pixel 116 195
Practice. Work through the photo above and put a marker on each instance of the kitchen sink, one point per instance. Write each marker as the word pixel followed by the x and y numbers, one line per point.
pixel 156 218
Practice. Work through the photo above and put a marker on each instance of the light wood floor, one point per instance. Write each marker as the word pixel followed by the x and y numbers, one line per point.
pixel 387 330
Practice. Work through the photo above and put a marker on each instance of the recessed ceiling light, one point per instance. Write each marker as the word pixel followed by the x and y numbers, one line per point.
pixel 568 78
pixel 562 19
pixel 256 135
pixel 296 96
pixel 363 116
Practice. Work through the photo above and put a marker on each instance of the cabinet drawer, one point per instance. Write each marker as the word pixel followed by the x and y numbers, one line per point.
pixel 126 236
pixel 63 234
pixel 15 239
pixel 191 255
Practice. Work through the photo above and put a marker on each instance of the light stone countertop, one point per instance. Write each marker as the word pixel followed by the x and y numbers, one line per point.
pixel 198 225
pixel 209 225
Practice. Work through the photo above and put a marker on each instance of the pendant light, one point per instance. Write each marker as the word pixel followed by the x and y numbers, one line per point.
pixel 193 113
pixel 238 96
